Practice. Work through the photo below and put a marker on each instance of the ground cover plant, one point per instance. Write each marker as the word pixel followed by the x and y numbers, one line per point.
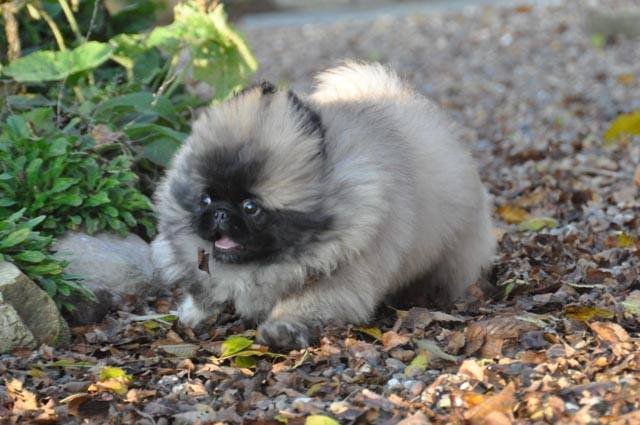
pixel 95 101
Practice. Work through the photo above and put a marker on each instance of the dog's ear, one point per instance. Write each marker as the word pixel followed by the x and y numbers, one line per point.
pixel 265 87
pixel 311 120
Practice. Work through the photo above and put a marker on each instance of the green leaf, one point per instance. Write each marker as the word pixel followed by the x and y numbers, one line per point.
pixel 434 350
pixel 586 313
pixel 375 333
pixel 320 420
pixel 15 238
pixel 47 65
pixel 418 364
pixel 235 344
pixel 109 372
pixel 97 199
pixel 30 256
pixel 535 224
pixel 52 268
pixel 244 362
pixel 160 151
pixel 63 183
pixel 626 124
pixel 72 199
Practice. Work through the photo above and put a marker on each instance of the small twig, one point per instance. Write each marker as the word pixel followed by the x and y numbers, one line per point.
pixel 93 19
pixel 14 49
pixel 59 102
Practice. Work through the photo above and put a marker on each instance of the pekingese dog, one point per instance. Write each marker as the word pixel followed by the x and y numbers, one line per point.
pixel 304 210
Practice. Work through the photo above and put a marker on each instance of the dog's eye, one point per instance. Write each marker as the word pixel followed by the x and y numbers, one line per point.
pixel 250 207
pixel 205 200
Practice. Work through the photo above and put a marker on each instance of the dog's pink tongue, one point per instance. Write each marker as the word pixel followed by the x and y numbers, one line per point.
pixel 226 243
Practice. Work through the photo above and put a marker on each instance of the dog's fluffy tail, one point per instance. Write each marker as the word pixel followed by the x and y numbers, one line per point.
pixel 359 81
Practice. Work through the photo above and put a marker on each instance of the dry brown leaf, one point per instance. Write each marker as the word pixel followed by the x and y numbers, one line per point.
pixel 503 402
pixel 392 339
pixel 614 335
pixel 627 79
pixel 472 369
pixel 23 399
pixel 136 396
pixel 636 176
pixel 512 214
pixel 417 418
pixel 497 418
pixel 456 342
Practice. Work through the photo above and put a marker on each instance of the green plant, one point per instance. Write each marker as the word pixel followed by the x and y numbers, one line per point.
pixel 56 173
pixel 29 250
pixel 94 101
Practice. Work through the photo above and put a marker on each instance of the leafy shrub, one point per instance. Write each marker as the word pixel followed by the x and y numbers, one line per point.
pixel 56 173
pixel 29 250
pixel 93 103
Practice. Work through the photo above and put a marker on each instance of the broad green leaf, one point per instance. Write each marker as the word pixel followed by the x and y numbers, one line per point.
pixel 15 238
pixel 30 256
pixel 535 224
pixel 160 151
pixel 631 305
pixel 63 184
pixel 244 362
pixel 235 344
pixel 97 199
pixel 51 268
pixel 47 65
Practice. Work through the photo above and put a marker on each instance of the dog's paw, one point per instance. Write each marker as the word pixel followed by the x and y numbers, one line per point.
pixel 284 335
pixel 189 313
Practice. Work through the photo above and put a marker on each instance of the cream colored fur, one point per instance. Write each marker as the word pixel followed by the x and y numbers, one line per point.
pixel 406 198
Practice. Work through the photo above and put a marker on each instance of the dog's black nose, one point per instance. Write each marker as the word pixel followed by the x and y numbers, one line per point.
pixel 221 215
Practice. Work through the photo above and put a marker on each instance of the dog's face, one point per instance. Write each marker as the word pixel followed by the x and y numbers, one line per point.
pixel 249 180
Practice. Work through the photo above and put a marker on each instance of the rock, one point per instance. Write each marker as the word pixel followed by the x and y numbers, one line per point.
pixel 28 316
pixel 13 332
pixel 111 267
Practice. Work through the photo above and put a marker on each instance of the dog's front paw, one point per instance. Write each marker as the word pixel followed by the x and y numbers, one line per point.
pixel 285 335
pixel 189 313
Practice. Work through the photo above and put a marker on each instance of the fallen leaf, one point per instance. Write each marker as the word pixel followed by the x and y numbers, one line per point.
pixel 636 176
pixel 116 386
pixel 627 79
pixel 235 344
pixel 472 369
pixel 512 214
pixel 23 399
pixel 625 240
pixel 614 335
pixel 503 402
pixel 320 420
pixel 586 313
pixel 375 333
pixel 136 396
pixel 417 418
pixel 535 224
pixel 625 124
pixel 109 372
pixel 417 365
pixel 180 350
pixel 392 339
pixel 434 350
pixel 631 303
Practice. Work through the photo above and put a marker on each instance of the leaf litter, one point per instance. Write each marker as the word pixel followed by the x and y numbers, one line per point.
pixel 552 338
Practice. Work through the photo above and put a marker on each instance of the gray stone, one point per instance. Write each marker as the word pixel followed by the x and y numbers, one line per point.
pixel 110 266
pixel 25 307
pixel 13 332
